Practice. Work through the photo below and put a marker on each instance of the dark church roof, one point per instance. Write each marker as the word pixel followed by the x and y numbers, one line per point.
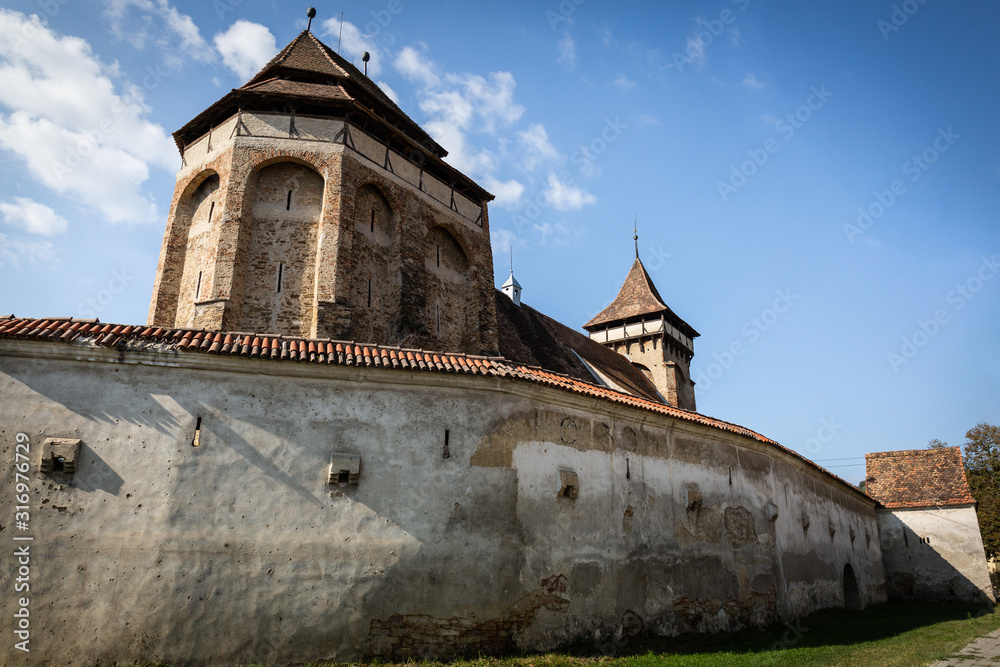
pixel 529 337
pixel 918 478
pixel 637 298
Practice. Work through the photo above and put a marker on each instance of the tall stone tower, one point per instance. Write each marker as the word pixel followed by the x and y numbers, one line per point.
pixel 639 325
pixel 308 204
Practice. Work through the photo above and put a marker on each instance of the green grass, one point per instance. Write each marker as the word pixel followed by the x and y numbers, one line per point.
pixel 903 634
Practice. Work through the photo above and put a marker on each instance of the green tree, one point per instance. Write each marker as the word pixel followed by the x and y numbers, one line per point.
pixel 982 469
pixel 936 444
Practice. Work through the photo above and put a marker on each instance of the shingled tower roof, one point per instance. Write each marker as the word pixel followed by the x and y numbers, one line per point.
pixel 918 478
pixel 637 298
pixel 308 78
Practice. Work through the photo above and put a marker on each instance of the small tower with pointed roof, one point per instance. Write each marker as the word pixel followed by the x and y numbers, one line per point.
pixel 309 204
pixel 512 289
pixel 639 325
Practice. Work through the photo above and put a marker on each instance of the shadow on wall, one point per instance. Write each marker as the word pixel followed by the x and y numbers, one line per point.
pixel 916 571
pixel 144 408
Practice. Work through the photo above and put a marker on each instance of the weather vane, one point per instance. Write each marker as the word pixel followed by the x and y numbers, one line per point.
pixel 635 235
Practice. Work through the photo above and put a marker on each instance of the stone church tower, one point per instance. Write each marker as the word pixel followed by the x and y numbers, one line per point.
pixel 309 205
pixel 640 326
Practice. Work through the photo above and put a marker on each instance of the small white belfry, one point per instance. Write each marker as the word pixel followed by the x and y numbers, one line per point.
pixel 512 289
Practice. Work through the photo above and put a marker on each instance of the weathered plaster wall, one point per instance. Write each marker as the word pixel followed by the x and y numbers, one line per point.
pixel 934 554
pixel 238 550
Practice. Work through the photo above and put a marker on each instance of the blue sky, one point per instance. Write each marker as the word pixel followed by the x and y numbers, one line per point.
pixel 816 185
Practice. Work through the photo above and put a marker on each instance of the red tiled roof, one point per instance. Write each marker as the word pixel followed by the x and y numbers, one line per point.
pixel 918 478
pixel 637 297
pixel 343 353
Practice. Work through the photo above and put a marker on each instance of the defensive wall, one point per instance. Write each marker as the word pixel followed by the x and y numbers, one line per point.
pixel 264 504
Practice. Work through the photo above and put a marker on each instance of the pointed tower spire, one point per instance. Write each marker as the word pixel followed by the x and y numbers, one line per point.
pixel 635 235
pixel 639 325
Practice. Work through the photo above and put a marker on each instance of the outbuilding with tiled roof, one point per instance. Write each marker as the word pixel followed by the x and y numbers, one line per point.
pixel 931 543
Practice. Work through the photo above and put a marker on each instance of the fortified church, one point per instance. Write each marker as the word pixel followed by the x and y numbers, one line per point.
pixel 334 438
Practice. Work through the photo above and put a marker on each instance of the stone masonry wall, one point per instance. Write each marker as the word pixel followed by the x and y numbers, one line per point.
pixel 668 366
pixel 331 258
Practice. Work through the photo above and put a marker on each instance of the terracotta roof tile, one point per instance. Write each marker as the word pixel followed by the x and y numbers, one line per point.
pixel 345 353
pixel 918 478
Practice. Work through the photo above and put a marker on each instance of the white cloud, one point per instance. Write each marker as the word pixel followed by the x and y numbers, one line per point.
pixel 623 82
pixel 565 197
pixel 141 22
pixel 751 82
pixel 503 240
pixel 558 234
pixel 412 64
pixel 507 193
pixel 696 50
pixel 459 104
pixel 607 38
pixel 567 52
pixel 535 146
pixel 387 89
pixel 14 251
pixel 245 47
pixel 648 120
pixel 32 217
pixel 492 99
pixel 75 133
pixel 353 43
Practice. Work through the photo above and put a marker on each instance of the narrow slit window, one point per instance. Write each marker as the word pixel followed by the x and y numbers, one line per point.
pixel 446 453
pixel 196 441
pixel 211 210
pixel 288 202
pixel 437 318
pixel 281 271
pixel 438 255
pixel 197 289
pixel 369 292
pixel 373 221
